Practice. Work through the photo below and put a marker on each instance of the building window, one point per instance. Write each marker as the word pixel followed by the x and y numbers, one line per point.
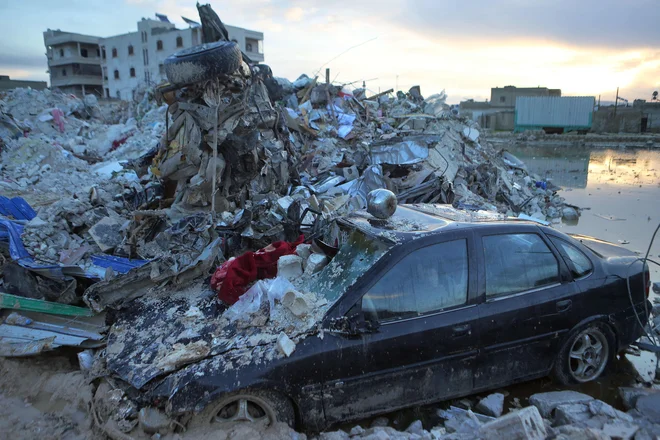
pixel 63 72
pixel 159 45
pixel 130 50
pixel 107 93
pixel 145 56
pixel 132 72
pixel 502 98
pixel 114 52
pixel 98 52
pixel 103 52
pixel 83 53
pixel 118 94
pixel 161 69
pixel 179 42
pixel 105 73
pixel 248 47
pixel 61 52
pixel 116 74
pixel 144 36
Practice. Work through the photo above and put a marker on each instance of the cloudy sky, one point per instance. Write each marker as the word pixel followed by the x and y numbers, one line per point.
pixel 584 47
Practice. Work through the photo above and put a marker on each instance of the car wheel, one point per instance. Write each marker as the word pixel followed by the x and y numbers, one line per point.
pixel 585 354
pixel 199 63
pixel 260 407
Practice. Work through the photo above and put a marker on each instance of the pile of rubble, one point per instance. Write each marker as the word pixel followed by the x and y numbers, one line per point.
pixel 241 177
pixel 551 415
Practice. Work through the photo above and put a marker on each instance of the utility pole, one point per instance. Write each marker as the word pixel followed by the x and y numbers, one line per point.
pixel 396 89
pixel 598 102
pixel 616 101
pixel 327 75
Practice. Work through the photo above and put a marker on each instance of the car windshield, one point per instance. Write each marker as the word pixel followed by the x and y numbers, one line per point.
pixel 357 255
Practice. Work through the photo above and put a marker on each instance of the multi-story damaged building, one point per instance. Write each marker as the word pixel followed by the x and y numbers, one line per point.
pixel 114 67
pixel 74 62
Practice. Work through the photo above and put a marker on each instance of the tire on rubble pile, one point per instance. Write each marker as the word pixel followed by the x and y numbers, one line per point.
pixel 203 62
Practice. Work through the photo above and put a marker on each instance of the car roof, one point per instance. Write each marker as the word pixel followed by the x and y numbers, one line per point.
pixel 423 218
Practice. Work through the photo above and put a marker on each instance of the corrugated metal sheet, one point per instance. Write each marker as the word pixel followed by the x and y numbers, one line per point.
pixel 554 111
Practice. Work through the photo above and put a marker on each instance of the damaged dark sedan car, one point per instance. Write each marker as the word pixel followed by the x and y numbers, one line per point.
pixel 428 305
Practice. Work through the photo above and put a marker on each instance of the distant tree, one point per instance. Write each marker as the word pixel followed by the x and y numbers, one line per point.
pixel 655 95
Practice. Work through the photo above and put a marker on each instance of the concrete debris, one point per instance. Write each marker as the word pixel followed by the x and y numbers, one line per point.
pixel 547 402
pixel 492 405
pixel 285 344
pixel 519 425
pixel 242 179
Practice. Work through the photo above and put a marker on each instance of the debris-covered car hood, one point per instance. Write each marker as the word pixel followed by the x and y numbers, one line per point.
pixel 162 332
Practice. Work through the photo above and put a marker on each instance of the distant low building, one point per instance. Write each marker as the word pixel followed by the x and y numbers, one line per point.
pixel 499 112
pixel 642 117
pixel 8 84
pixel 74 62
pixel 506 96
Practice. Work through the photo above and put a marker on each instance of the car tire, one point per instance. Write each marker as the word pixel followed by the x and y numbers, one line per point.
pixel 203 62
pixel 585 354
pixel 256 406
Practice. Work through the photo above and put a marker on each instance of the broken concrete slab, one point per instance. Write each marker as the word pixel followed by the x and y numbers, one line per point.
pixel 289 267
pixel 546 402
pixel 315 263
pixel 297 303
pixel 620 430
pixel 526 424
pixel 492 405
pixel 571 413
pixel 629 395
pixel 107 233
pixel 285 344
pixel 649 407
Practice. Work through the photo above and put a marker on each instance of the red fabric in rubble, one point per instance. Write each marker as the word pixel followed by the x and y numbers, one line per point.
pixel 231 280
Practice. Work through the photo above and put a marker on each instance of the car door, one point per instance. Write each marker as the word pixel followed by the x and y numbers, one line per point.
pixel 425 346
pixel 527 303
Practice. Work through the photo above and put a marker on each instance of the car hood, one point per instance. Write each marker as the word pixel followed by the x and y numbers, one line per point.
pixel 162 333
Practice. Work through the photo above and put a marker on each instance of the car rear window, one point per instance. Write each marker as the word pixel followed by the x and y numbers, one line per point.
pixel 518 262
pixel 427 280
pixel 578 263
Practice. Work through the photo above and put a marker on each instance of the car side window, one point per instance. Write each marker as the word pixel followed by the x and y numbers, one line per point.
pixel 427 280
pixel 516 263
pixel 578 263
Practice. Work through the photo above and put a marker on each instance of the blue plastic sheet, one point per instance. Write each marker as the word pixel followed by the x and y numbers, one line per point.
pixel 118 264
pixel 17 208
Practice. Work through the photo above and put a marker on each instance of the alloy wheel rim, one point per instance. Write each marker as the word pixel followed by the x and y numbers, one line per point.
pixel 588 355
pixel 242 409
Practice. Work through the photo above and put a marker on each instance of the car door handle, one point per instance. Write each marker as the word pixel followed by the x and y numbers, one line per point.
pixel 460 330
pixel 563 306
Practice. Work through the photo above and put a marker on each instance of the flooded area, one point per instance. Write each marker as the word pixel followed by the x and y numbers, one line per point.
pixel 619 191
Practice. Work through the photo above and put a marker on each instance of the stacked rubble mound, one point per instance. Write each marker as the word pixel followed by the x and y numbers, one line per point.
pixel 203 222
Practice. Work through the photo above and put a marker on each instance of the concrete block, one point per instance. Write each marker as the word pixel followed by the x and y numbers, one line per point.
pixel 285 344
pixel 153 421
pixel 526 424
pixel 492 405
pixel 297 303
pixel 107 233
pixel 571 413
pixel 289 267
pixel 620 430
pixel 304 251
pixel 649 406
pixel 546 402
pixel 315 263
